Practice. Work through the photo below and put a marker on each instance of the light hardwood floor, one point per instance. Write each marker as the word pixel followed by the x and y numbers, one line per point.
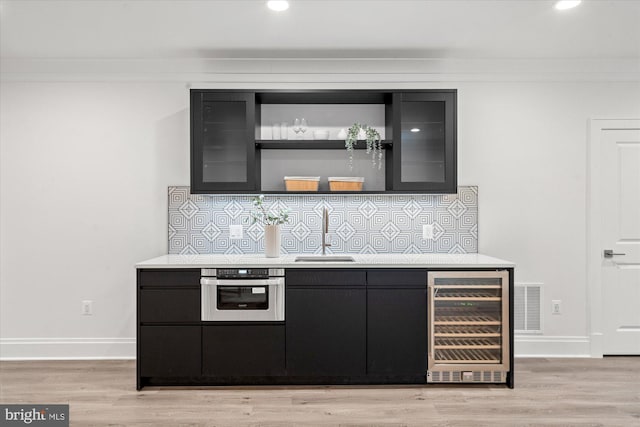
pixel 559 392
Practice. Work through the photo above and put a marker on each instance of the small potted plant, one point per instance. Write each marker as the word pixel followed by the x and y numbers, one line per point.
pixel 271 222
pixel 372 137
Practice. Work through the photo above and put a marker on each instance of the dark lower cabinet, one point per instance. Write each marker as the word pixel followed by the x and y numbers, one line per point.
pixel 169 305
pixel 397 331
pixel 342 326
pixel 243 350
pixel 326 332
pixel 170 351
pixel 169 332
pixel 175 278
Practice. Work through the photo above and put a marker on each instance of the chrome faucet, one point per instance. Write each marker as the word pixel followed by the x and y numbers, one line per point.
pixel 325 230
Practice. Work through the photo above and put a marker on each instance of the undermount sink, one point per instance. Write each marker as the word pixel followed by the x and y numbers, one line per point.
pixel 325 258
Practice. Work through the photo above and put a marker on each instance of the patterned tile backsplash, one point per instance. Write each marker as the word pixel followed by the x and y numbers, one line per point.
pixel 199 224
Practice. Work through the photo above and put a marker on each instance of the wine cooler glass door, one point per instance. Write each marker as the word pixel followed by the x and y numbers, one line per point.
pixel 468 320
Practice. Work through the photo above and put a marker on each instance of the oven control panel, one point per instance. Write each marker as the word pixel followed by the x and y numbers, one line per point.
pixel 242 273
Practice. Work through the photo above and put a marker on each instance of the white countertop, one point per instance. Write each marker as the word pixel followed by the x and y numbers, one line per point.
pixel 361 261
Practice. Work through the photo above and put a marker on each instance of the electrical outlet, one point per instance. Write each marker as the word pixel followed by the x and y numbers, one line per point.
pixel 235 232
pixel 427 231
pixel 87 308
pixel 556 306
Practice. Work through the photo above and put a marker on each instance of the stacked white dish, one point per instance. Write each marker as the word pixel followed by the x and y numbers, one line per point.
pixel 320 134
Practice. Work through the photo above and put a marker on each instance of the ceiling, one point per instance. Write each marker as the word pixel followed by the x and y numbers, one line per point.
pixel 96 29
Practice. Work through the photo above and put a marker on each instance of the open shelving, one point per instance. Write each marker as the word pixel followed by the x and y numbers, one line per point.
pixel 325 144
pixel 249 124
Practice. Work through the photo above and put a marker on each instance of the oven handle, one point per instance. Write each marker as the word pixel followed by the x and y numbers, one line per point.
pixel 207 281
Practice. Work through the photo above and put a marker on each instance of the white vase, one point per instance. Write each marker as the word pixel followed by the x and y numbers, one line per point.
pixel 342 134
pixel 362 135
pixel 272 241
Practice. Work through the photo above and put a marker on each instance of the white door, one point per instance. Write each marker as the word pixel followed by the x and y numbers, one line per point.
pixel 619 181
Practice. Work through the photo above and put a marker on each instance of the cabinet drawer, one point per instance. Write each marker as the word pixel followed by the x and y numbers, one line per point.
pixel 325 278
pixel 168 277
pixel 170 351
pixel 239 350
pixel 396 278
pixel 170 305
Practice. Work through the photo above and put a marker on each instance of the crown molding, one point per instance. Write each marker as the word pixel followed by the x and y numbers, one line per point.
pixel 317 70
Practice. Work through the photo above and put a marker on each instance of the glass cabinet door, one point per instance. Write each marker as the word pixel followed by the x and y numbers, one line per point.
pixel 222 142
pixel 424 142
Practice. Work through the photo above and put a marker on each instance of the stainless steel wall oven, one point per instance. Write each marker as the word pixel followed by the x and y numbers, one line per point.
pixel 242 294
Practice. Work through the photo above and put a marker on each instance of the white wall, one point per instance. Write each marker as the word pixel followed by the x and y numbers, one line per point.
pixel 525 146
pixel 85 169
pixel 85 166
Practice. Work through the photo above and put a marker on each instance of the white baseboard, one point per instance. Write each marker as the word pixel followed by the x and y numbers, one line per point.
pixel 551 346
pixel 597 344
pixel 125 348
pixel 67 348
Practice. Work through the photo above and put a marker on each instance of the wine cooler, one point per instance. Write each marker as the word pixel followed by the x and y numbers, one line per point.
pixel 468 326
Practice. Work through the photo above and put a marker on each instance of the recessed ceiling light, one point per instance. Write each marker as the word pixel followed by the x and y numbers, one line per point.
pixel 414 130
pixel 277 5
pixel 567 4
